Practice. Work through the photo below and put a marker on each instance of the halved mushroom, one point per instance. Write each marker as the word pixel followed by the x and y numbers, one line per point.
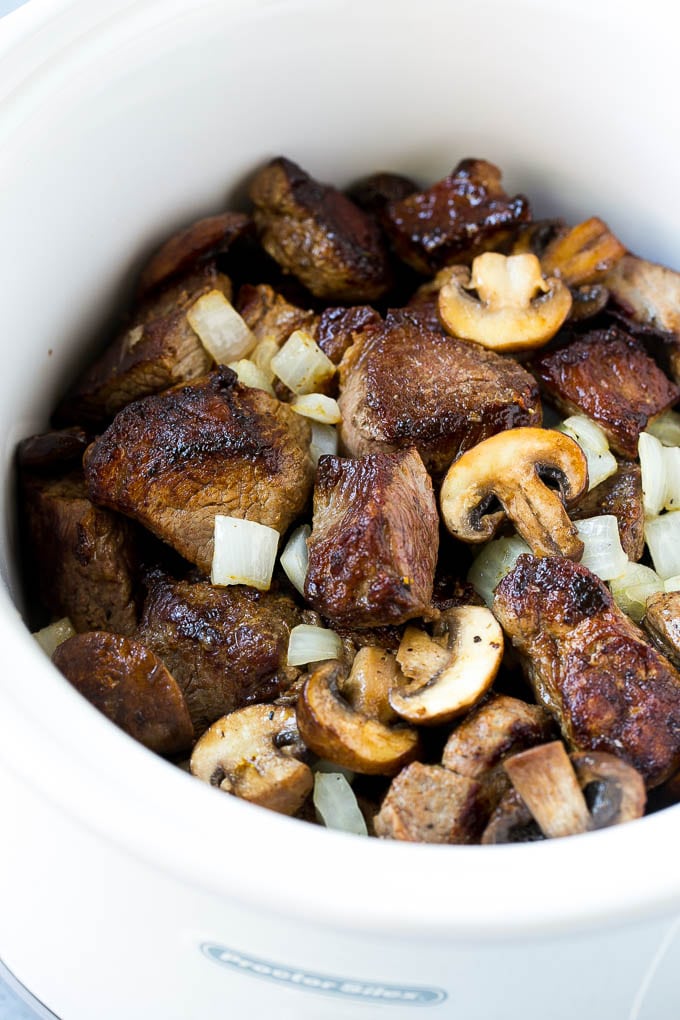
pixel 511 822
pixel 335 731
pixel 451 671
pixel 614 791
pixel 584 254
pixel 545 780
pixel 254 753
pixel 511 466
pixel 516 307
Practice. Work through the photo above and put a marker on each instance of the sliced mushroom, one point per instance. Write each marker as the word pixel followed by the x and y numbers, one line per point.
pixel 516 307
pixel 511 822
pixel 451 671
pixel 497 728
pixel 429 804
pixel 254 753
pixel 584 254
pixel 335 731
pixel 662 623
pixel 374 672
pixel 545 780
pixel 511 466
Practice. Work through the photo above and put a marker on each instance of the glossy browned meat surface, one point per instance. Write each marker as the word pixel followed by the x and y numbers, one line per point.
pixel 662 623
pixel 339 327
pixel 158 349
pixel 269 315
pixel 430 804
pixel 607 376
pixel 374 192
pixel 52 449
pixel 225 647
pixel 175 460
pixel 453 217
pixel 620 495
pixel 402 385
pixel 131 686
pixel 315 232
pixel 83 558
pixel 591 666
pixel 373 547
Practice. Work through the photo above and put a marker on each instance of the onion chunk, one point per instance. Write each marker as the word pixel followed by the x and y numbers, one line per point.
pixel 220 328
pixel 312 644
pixel 632 588
pixel 295 557
pixel 662 535
pixel 592 440
pixel 496 559
pixel 245 553
pixel 603 553
pixel 49 638
pixel 318 407
pixel 301 364
pixel 324 441
pixel 336 804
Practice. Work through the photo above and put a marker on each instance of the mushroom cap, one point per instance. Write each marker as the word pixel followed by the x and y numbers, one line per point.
pixel 619 793
pixel 254 754
pixel 512 466
pixel 367 688
pixel 335 731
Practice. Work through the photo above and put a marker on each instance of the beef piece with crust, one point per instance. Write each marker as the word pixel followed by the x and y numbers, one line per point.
pixel 156 350
pixel 225 647
pixel 339 327
pixel 458 393
pixel 590 666
pixel 607 376
pixel 373 193
pixel 620 495
pixel 84 559
pixel 373 547
pixel 430 804
pixel 315 232
pixel 455 217
pixel 175 460
pixel 269 315
pixel 52 450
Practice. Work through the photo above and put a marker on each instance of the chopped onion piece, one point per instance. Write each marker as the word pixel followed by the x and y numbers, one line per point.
pixel 672 583
pixel 653 468
pixel 666 428
pixel 318 407
pixel 632 588
pixel 312 644
pixel 495 560
pixel 671 497
pixel 323 765
pixel 301 364
pixel 294 558
pixel 220 328
pixel 662 535
pixel 245 552
pixel 603 554
pixel 324 441
pixel 49 638
pixel 336 804
pixel 600 467
pixel 592 440
pixel 250 375
pixel 262 357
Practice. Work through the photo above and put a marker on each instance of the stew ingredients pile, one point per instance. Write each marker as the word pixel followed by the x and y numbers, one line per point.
pixel 370 512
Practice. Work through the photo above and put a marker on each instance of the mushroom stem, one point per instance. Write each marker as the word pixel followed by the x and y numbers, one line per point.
pixel 541 520
pixel 545 780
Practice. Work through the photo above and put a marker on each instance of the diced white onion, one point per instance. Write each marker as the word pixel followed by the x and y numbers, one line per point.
pixel 600 467
pixel 301 364
pixel 220 328
pixel 666 428
pixel 294 558
pixel 653 469
pixel 323 765
pixel 671 498
pixel 632 588
pixel 318 407
pixel 603 554
pixel 324 441
pixel 245 552
pixel 495 560
pixel 672 583
pixel 49 638
pixel 262 356
pixel 312 644
pixel 250 375
pixel 593 441
pixel 336 804
pixel 662 535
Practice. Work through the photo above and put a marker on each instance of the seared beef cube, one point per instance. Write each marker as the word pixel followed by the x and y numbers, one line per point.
pixel 159 349
pixel 84 559
pixel 607 376
pixel 662 623
pixel 52 450
pixel 375 192
pixel 339 327
pixel 650 294
pixel 402 385
pixel 183 251
pixel 590 666
pixel 225 647
pixel 269 316
pixel 131 686
pixel 175 460
pixel 497 728
pixel 430 804
pixel 456 217
pixel 315 232
pixel 620 495
pixel 373 547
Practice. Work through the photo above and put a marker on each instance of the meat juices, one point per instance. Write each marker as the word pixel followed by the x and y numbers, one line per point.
pixel 590 665
pixel 373 547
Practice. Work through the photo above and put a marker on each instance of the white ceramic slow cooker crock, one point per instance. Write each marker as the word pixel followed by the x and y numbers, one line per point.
pixel 127 889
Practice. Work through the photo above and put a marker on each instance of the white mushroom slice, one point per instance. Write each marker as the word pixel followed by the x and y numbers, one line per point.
pixel 449 674
pixel 516 308
pixel 584 254
pixel 254 754
pixel 545 780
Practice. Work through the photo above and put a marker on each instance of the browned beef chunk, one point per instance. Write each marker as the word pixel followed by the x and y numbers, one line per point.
pixel 497 728
pixel 175 460
pixel 225 647
pixel 590 665
pixel 339 327
pixel 181 252
pixel 662 623
pixel 620 495
pixel 269 315
pixel 430 804
pixel 607 376
pixel 52 449
pixel 650 294
pixel 373 193
pixel 373 547
pixel 84 559
pixel 402 385
pixel 455 217
pixel 157 350
pixel 318 234
pixel 132 687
